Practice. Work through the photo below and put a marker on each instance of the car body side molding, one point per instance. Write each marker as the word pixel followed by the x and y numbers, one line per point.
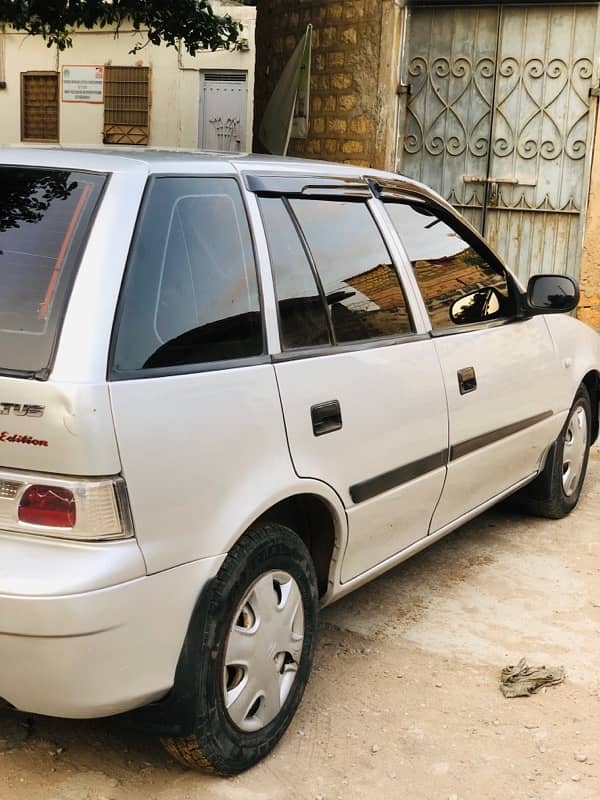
pixel 366 490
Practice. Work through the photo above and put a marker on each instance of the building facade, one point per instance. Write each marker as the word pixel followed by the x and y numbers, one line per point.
pixel 493 104
pixel 97 92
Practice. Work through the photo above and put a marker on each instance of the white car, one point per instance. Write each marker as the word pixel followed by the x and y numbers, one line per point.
pixel 233 390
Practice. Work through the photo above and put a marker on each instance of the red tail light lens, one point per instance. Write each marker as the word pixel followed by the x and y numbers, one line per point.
pixel 52 506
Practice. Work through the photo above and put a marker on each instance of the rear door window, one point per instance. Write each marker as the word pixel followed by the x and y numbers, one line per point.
pixel 302 315
pixel 360 282
pixel 45 215
pixel 191 291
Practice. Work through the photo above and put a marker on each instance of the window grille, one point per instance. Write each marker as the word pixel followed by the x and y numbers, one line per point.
pixel 126 105
pixel 39 106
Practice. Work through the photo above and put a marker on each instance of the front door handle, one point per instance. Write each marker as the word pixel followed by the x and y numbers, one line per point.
pixel 326 417
pixel 467 380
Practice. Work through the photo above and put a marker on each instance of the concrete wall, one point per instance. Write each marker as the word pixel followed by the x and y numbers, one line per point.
pixel 589 307
pixel 356 48
pixel 175 84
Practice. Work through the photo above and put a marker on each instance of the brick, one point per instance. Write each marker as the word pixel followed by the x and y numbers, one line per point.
pixel 331 146
pixel 341 81
pixel 360 125
pixel 354 9
pixel 316 103
pixel 335 60
pixel 352 146
pixel 328 37
pixel 349 36
pixel 346 102
pixel 318 125
pixel 313 147
pixel 335 11
pixel 329 103
pixel 339 126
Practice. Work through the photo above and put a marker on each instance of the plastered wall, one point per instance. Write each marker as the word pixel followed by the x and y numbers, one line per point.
pixel 175 82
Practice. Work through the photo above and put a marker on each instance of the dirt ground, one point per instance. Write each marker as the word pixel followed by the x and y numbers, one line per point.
pixel 404 699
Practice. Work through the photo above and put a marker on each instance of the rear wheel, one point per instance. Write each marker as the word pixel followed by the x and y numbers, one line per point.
pixel 255 652
pixel 556 492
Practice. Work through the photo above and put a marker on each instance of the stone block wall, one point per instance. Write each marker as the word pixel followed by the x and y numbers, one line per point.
pixel 352 102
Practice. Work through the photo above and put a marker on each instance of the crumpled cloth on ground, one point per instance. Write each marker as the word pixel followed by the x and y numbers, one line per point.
pixel 523 680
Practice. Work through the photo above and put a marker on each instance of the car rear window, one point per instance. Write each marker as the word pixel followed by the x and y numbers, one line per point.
pixel 45 215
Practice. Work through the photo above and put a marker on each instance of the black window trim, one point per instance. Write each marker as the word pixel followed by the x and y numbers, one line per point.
pixel 113 375
pixel 307 185
pixel 44 373
pixel 472 238
pixel 311 267
pixel 322 350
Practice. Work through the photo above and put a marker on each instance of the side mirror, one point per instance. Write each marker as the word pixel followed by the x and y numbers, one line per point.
pixel 477 306
pixel 552 294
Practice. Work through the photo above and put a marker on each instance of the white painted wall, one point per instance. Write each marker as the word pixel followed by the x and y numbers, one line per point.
pixel 175 81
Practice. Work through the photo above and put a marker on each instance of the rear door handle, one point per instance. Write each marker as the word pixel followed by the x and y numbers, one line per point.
pixel 326 417
pixel 467 380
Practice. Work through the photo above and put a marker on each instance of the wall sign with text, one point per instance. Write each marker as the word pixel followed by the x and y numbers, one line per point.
pixel 83 84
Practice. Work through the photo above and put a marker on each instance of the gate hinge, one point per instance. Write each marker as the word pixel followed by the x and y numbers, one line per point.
pixel 404 88
pixel 595 91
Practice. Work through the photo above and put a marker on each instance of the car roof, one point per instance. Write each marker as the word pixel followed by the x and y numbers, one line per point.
pixel 118 158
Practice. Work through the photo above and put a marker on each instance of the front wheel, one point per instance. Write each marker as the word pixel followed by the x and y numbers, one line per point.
pixel 565 472
pixel 255 652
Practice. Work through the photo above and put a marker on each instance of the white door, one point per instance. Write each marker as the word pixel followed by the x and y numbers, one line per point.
pixel 223 112
pixel 498 371
pixel 192 403
pixel 362 394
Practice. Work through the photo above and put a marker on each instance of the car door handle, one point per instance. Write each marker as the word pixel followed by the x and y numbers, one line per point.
pixel 326 417
pixel 467 380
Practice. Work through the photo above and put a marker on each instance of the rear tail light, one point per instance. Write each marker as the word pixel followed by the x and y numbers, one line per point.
pixel 52 506
pixel 82 510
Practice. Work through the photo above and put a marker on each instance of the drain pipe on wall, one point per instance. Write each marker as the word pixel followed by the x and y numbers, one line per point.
pixel 2 57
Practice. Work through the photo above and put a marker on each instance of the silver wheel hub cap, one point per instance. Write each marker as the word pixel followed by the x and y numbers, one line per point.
pixel 574 450
pixel 263 651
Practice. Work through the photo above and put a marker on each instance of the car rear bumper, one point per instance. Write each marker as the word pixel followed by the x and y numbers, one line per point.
pixel 101 652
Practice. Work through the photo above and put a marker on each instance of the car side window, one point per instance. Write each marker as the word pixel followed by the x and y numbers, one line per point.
pixel 191 292
pixel 302 315
pixel 360 282
pixel 458 284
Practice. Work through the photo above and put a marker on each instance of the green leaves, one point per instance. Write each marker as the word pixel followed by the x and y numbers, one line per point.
pixel 191 21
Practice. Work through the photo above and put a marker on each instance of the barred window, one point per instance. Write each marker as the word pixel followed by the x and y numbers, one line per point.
pixel 126 105
pixel 39 106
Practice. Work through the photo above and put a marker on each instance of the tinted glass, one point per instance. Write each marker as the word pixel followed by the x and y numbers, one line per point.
pixel 360 282
pixel 302 315
pixel 447 268
pixel 191 293
pixel 44 218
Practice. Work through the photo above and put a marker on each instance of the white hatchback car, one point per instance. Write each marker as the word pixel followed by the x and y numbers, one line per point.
pixel 233 390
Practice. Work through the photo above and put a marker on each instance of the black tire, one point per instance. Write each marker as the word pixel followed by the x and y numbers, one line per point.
pixel 218 745
pixel 546 496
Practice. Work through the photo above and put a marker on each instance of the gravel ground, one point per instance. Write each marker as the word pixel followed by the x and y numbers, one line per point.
pixel 404 699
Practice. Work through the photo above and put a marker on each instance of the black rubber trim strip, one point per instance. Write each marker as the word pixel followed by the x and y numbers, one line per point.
pixel 315 186
pixel 389 480
pixel 485 439
pixel 370 488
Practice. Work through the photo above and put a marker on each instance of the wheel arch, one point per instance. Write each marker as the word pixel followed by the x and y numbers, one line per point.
pixel 592 383
pixel 317 524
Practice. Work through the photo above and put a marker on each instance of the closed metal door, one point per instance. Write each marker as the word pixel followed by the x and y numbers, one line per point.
pixel 223 110
pixel 499 120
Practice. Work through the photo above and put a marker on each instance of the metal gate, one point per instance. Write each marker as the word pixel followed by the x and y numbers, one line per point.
pixel 500 120
pixel 223 111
